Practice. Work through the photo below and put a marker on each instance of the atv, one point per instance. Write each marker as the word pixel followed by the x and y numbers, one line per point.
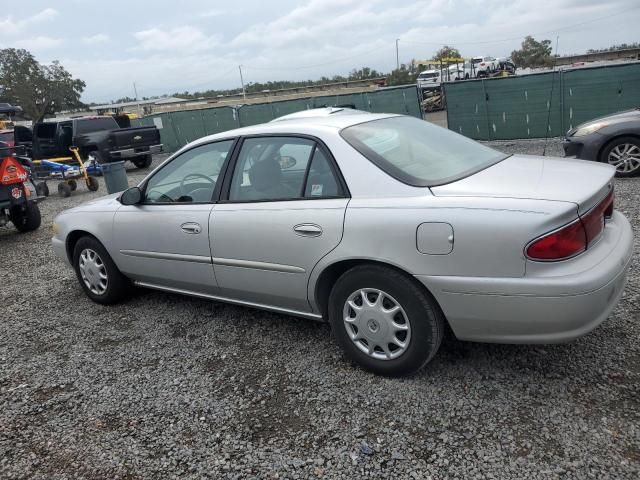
pixel 18 202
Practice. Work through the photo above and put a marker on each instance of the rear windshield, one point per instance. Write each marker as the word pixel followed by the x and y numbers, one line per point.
pixel 417 152
pixel 88 125
pixel 476 60
pixel 428 75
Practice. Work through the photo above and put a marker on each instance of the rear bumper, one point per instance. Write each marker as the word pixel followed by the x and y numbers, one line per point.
pixel 135 152
pixel 540 308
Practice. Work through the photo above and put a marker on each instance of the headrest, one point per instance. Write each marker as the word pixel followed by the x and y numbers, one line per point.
pixel 265 175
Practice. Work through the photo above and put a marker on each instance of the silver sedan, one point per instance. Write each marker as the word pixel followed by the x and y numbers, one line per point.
pixel 388 227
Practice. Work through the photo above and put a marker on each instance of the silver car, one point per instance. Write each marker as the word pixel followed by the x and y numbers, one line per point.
pixel 386 226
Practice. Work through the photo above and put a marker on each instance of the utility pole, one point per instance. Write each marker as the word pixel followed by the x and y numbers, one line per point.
pixel 397 55
pixel 135 90
pixel 244 95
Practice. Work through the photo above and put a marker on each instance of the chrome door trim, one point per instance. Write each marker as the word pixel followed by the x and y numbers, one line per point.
pixel 272 267
pixel 167 256
pixel 308 230
pixel 191 228
pixel 286 311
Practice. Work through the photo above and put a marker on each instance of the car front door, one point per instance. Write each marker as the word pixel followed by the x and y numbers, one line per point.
pixel 282 210
pixel 164 240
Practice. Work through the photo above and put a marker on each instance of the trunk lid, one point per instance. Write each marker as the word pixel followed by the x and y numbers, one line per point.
pixel 135 137
pixel 537 178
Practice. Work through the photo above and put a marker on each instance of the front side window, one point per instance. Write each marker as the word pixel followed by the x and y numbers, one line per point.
pixel 190 177
pixel 283 168
pixel 417 152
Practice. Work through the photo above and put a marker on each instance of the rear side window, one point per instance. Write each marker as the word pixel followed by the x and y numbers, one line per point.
pixel 417 152
pixel 282 168
pixel 95 124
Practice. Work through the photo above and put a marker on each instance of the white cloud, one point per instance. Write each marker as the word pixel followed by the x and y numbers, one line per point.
pixel 10 26
pixel 96 39
pixel 38 43
pixel 185 38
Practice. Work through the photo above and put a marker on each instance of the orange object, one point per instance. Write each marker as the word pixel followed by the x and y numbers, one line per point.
pixel 11 172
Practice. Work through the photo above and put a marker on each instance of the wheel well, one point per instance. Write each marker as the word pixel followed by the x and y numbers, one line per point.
pixel 331 274
pixel 611 140
pixel 72 239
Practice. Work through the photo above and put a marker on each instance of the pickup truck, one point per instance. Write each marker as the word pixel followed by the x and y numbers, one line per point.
pixel 100 137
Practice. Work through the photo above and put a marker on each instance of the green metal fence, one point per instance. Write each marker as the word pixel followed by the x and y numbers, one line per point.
pixel 526 106
pixel 179 128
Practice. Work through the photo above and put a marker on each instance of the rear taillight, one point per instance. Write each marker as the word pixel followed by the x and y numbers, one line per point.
pixel 593 220
pixel 574 238
pixel 482 64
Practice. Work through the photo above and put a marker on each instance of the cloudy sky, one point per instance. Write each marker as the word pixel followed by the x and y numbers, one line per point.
pixel 168 46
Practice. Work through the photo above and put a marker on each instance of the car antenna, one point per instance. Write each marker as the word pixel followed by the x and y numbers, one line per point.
pixel 553 81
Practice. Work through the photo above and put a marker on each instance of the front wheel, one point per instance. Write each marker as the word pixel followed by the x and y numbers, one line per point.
pixel 26 218
pixel 99 277
pixel 384 321
pixel 624 154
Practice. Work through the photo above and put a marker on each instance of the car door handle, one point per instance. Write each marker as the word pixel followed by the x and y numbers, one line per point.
pixel 191 227
pixel 308 230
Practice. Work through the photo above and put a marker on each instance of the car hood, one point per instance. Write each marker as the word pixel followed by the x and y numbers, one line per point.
pixel 537 178
pixel 611 119
pixel 108 203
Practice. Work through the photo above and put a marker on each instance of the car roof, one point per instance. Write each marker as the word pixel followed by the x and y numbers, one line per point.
pixel 318 112
pixel 303 123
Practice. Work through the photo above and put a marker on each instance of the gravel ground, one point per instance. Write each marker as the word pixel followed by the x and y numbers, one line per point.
pixel 165 386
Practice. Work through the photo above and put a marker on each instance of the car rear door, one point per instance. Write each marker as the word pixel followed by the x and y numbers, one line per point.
pixel 164 241
pixel 282 210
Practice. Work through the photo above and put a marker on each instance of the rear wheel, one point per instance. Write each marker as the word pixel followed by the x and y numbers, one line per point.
pixel 624 154
pixel 92 184
pixel 384 321
pixel 99 277
pixel 143 162
pixel 26 218
pixel 73 185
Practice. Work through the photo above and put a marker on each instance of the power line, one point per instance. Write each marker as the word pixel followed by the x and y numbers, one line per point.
pixel 569 27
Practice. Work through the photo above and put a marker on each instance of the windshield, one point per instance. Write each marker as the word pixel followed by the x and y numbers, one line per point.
pixel 88 125
pixel 476 60
pixel 417 152
pixel 428 75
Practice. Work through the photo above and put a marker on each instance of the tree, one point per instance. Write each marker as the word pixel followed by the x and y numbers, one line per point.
pixel 39 89
pixel 533 53
pixel 446 52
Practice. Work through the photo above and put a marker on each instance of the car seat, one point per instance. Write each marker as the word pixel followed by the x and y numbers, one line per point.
pixel 266 181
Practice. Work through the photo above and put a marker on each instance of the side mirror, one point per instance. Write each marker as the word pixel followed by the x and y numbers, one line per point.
pixel 131 196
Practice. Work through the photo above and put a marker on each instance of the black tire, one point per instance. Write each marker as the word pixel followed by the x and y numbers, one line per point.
pixel 26 218
pixel 92 184
pixel 117 285
pixel 466 76
pixel 97 156
pixel 425 320
pixel 618 143
pixel 64 189
pixel 73 185
pixel 143 162
pixel 42 189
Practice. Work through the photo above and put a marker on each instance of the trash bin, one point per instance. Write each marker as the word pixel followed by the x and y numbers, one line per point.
pixel 115 176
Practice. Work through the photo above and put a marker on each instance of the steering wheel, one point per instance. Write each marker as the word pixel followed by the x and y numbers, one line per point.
pixel 195 175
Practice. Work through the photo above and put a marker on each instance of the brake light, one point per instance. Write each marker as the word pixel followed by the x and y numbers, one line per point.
pixel 574 238
pixel 564 243
pixel 482 64
pixel 12 172
pixel 593 220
